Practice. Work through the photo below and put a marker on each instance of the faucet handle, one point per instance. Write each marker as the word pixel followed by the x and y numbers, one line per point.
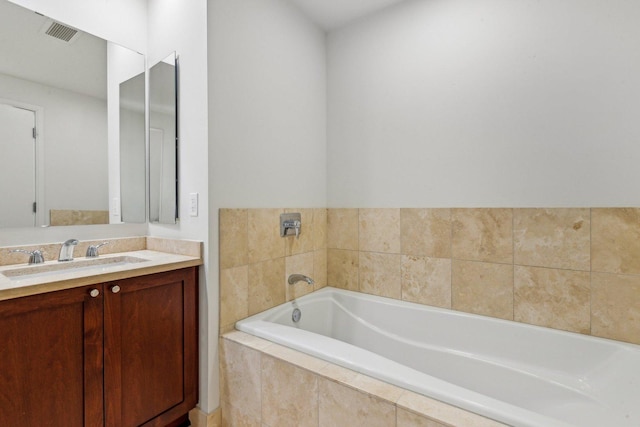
pixel 35 256
pixel 92 251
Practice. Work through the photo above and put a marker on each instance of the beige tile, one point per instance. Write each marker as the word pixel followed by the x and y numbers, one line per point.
pixel 338 373
pixel 304 242
pixel 247 340
pixel 214 419
pixel 234 240
pixel 343 269
pixel 426 232
pixel 289 395
pixel 426 280
pixel 410 419
pixel 343 406
pixel 297 358
pixel 615 307
pixel 240 377
pixel 443 413
pixel 379 230
pixel 319 228
pixel 483 288
pixel 264 235
pixel 266 285
pixel 558 299
pixel 482 235
pixel 59 217
pixel 377 388
pixel 380 274
pixel 554 238
pixel 342 229
pixel 615 240
pixel 172 246
pixel 320 268
pixel 234 294
pixel 125 244
pixel 298 264
pixel 235 417
pixel 50 251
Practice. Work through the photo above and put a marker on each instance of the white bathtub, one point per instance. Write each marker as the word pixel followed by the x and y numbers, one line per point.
pixel 517 374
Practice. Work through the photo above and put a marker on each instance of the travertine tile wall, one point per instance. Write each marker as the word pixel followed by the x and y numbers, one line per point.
pixel 571 269
pixel 255 261
pixel 575 269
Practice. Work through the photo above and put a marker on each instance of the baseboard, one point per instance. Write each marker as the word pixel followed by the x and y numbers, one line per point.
pixel 202 419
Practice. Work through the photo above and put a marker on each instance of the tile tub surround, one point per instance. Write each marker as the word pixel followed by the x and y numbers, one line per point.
pixel 255 261
pixel 575 269
pixel 265 384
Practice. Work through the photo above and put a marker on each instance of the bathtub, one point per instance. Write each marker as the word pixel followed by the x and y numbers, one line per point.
pixel 514 373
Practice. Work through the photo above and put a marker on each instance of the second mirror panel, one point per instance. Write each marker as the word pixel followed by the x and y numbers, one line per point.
pixel 163 139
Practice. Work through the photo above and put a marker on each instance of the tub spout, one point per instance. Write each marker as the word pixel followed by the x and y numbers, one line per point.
pixel 295 278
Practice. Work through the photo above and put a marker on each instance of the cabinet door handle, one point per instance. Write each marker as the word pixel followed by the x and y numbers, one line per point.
pixel 94 293
pixel 115 289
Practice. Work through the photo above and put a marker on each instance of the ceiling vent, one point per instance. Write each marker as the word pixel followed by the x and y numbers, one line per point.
pixel 61 32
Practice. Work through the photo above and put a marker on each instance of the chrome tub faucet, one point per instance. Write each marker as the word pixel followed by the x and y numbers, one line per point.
pixel 295 278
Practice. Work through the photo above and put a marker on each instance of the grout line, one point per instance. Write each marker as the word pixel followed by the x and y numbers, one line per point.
pixel 513 259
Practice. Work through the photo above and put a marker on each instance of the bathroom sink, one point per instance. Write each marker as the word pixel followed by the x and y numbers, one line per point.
pixel 53 268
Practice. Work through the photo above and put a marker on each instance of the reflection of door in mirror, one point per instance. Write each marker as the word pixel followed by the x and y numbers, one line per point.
pixel 162 142
pixel 17 167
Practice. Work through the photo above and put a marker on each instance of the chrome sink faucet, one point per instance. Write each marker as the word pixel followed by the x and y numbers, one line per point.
pixel 66 251
pixel 92 251
pixel 295 278
pixel 35 257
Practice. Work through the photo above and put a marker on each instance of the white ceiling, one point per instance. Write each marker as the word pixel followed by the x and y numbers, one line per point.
pixel 331 14
pixel 28 53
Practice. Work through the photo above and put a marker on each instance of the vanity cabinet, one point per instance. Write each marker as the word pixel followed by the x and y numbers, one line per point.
pixel 116 354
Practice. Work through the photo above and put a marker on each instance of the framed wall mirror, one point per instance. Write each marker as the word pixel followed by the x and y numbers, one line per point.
pixel 163 141
pixel 59 113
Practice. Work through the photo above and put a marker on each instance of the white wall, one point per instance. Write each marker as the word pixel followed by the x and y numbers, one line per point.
pixel 182 27
pixel 268 105
pixel 267 120
pixel 486 103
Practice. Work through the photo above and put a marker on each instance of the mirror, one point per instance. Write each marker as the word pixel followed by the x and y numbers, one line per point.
pixel 163 141
pixel 132 149
pixel 59 81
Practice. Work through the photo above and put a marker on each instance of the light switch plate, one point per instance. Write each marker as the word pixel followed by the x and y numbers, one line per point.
pixel 115 206
pixel 193 204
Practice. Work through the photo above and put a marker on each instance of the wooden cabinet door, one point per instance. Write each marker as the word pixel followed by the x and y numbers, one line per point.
pixel 151 358
pixel 51 359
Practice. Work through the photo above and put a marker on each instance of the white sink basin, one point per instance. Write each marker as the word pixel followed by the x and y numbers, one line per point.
pixel 53 268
